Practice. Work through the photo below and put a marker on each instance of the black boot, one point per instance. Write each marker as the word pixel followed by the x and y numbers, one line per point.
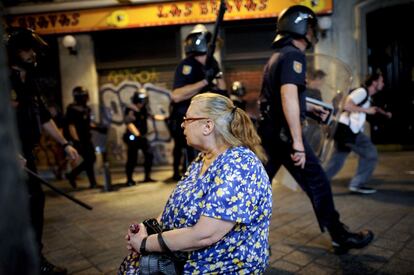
pixel 91 176
pixel 148 179
pixel 343 239
pixel 71 180
pixel 130 182
pixel 47 268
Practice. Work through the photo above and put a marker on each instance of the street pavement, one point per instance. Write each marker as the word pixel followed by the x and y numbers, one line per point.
pixel 92 242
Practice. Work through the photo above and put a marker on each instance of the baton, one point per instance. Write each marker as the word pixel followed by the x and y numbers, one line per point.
pixel 219 21
pixel 57 190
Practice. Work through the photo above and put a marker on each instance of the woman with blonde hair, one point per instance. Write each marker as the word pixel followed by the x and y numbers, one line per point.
pixel 220 210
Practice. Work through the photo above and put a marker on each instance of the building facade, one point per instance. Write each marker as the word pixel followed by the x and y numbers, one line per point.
pixel 122 46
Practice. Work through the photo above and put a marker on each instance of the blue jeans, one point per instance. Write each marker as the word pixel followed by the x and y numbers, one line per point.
pixel 368 158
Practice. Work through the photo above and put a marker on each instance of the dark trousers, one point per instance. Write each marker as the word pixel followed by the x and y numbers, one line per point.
pixel 180 143
pixel 133 146
pixel 311 178
pixel 87 151
pixel 36 201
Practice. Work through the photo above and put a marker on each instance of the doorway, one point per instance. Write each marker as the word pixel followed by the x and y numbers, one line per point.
pixel 390 50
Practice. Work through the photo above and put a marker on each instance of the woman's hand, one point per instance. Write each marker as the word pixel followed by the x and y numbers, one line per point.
pixel 134 240
pixel 133 229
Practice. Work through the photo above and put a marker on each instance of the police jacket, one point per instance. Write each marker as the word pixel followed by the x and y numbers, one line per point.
pixel 189 71
pixel 31 111
pixel 140 117
pixel 80 116
pixel 286 66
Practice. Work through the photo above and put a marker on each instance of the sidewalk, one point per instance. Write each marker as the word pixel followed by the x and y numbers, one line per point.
pixel 91 242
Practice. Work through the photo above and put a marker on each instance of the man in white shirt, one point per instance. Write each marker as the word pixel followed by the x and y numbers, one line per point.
pixel 351 137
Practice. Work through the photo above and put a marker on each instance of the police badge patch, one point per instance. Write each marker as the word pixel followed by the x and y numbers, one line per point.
pixel 187 69
pixel 297 66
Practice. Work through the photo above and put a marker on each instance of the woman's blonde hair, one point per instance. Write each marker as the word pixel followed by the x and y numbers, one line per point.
pixel 232 123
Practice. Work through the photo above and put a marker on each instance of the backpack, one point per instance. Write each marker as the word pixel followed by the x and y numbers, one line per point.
pixel 364 100
pixel 344 136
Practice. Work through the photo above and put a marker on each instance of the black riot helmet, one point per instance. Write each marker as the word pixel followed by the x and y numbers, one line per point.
pixel 139 97
pixel 80 95
pixel 197 41
pixel 238 89
pixel 294 22
pixel 18 39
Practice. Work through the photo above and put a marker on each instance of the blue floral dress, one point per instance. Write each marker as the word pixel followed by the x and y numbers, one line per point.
pixel 234 188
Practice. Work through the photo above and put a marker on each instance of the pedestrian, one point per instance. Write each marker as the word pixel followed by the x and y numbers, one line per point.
pixel 283 108
pixel 191 78
pixel 136 115
pixel 32 117
pixel 220 210
pixel 349 135
pixel 79 126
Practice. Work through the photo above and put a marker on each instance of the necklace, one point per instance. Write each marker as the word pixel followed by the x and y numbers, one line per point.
pixel 209 157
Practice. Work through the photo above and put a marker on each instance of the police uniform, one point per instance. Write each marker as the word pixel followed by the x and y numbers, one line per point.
pixel 31 113
pixel 31 116
pixel 135 143
pixel 297 25
pixel 237 93
pixel 79 115
pixel 188 71
pixel 287 66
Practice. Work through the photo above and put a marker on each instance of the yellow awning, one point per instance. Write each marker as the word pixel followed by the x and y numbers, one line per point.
pixel 158 14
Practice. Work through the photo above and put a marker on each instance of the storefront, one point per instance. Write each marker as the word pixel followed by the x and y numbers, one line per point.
pixel 124 48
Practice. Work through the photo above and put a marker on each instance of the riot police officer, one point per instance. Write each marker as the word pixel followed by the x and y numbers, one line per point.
pixel 283 108
pixel 136 115
pixel 32 116
pixel 238 91
pixel 191 78
pixel 79 125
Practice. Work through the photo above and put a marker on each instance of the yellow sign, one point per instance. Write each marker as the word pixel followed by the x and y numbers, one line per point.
pixel 158 14
pixel 118 18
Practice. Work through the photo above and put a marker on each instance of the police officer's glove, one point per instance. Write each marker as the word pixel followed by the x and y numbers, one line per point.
pixel 211 74
pixel 212 70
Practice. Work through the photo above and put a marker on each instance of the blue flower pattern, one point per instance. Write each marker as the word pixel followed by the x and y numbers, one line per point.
pixel 234 188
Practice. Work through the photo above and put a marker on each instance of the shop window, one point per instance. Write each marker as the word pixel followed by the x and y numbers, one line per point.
pixel 137 47
pixel 248 40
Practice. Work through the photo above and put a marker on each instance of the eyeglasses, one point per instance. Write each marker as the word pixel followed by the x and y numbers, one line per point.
pixel 191 119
